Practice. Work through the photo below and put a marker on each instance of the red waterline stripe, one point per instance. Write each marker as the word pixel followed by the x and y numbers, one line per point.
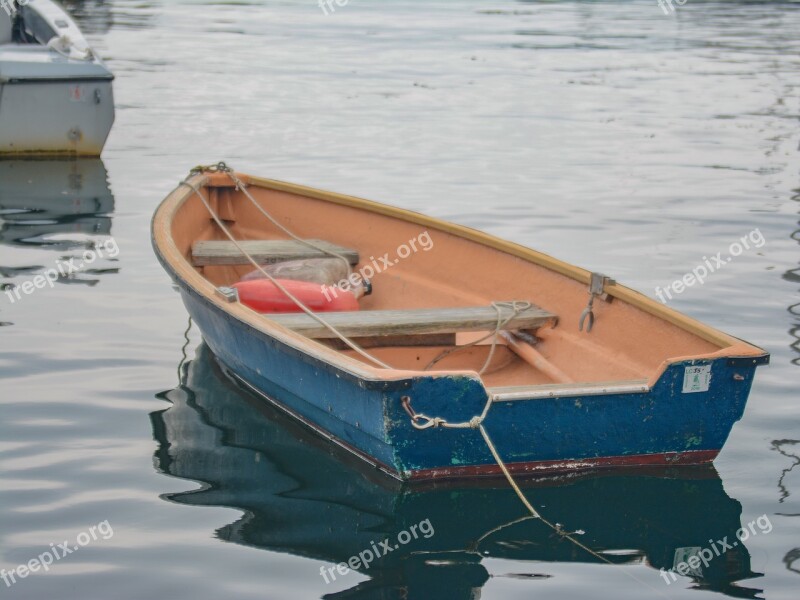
pixel 690 457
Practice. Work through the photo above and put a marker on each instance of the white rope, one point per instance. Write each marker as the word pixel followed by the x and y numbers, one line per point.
pixel 517 307
pixel 286 292
pixel 243 187
pixel 476 422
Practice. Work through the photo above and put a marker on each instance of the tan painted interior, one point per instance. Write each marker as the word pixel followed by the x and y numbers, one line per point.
pixel 634 337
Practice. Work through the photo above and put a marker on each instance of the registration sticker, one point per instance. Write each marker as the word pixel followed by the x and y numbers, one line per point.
pixel 696 379
pixel 77 93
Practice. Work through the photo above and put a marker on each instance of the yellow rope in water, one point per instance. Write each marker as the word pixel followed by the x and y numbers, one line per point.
pixel 504 469
pixel 476 422
pixel 527 504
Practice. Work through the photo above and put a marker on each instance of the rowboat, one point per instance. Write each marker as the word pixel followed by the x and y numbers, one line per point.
pixel 294 493
pixel 473 356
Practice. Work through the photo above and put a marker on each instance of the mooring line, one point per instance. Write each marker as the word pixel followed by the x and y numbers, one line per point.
pixel 476 422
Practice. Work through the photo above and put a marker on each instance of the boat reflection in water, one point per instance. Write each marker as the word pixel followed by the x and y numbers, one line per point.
pixel 60 207
pixel 300 496
pixel 40 198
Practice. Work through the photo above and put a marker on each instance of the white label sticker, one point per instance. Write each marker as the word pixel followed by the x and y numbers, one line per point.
pixel 696 379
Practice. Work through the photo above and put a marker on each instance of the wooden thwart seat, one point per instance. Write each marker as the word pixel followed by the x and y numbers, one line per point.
pixel 425 321
pixel 224 252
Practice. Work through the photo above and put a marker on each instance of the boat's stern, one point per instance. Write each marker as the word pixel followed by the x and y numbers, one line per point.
pixel 683 417
pixel 55 93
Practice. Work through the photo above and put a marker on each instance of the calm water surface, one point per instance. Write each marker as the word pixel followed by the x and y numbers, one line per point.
pixel 605 133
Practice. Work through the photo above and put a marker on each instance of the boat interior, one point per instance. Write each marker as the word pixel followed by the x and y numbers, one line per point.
pixel 438 289
pixel 36 23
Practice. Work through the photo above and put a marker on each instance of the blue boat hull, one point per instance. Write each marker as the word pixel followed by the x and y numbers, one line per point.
pixel 658 425
pixel 292 493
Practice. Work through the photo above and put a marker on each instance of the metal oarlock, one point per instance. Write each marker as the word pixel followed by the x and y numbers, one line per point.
pixel 597 285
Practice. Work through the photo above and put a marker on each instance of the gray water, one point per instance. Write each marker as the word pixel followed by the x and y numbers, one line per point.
pixel 607 134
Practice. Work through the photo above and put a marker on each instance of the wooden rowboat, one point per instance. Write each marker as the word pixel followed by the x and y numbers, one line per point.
pixel 466 340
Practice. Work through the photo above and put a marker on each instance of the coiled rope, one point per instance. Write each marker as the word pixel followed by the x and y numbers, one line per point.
pixel 517 307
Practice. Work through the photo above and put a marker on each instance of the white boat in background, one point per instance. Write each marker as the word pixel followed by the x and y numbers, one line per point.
pixel 55 92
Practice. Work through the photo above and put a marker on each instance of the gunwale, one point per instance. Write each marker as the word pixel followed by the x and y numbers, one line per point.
pixel 178 266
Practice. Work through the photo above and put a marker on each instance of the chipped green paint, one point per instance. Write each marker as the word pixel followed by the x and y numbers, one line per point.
pixel 693 440
pixel 458 461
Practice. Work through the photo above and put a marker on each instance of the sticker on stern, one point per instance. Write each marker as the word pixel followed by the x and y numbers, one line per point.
pixel 696 379
pixel 77 93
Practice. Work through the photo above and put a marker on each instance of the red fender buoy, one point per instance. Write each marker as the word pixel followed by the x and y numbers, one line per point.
pixel 263 296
